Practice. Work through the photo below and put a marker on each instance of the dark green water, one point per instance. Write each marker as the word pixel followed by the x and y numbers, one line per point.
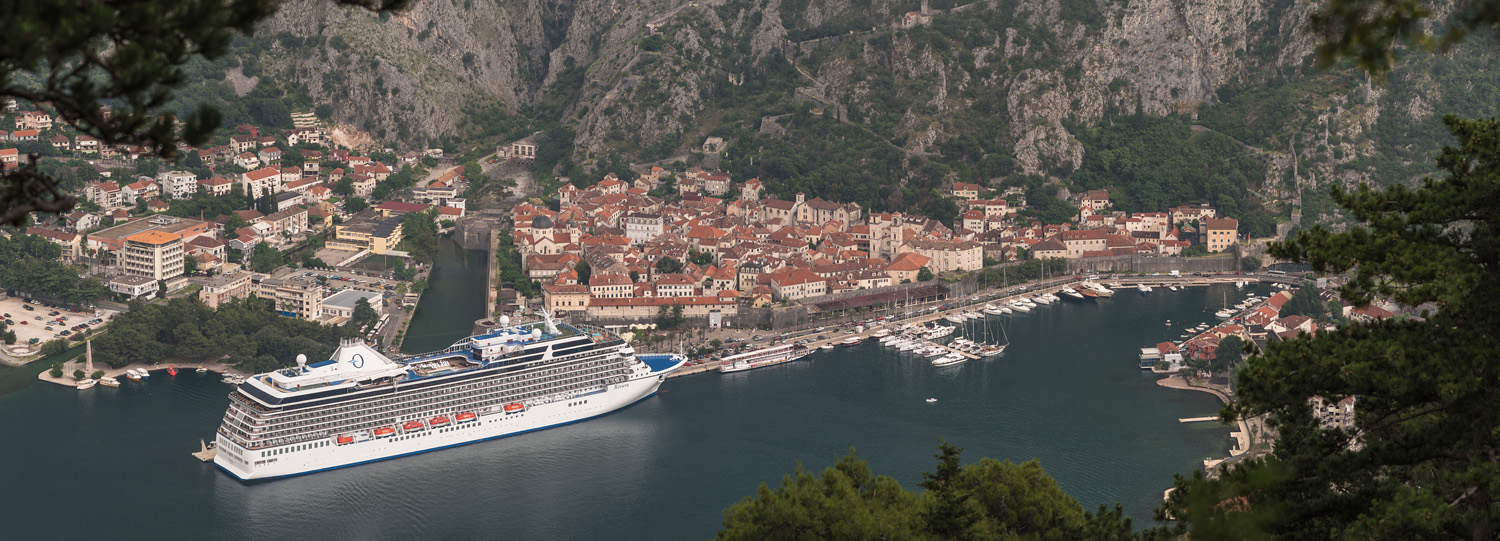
pixel 113 463
pixel 454 299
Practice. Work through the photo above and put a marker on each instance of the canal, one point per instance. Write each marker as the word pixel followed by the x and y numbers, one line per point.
pixel 453 301
pixel 113 462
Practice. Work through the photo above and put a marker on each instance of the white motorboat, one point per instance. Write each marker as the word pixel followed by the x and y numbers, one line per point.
pixel 1040 300
pixel 1173 288
pixel 954 318
pixel 936 351
pixel 931 400
pixel 826 346
pixel 1020 307
pixel 87 384
pixel 1240 284
pixel 201 370
pixel 1050 297
pixel 1072 293
pixel 949 360
pixel 993 310
pixel 1143 288
pixel 143 372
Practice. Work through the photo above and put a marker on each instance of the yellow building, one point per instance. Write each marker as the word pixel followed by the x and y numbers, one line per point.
pixel 1220 233
pixel 378 237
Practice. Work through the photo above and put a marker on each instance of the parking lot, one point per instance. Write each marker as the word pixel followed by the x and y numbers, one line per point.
pixel 356 280
pixel 41 322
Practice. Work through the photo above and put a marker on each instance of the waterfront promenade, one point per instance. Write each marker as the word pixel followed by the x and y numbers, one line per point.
pixel 920 314
pixel 118 373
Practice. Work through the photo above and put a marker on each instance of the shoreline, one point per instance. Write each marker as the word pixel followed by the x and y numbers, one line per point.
pixel 68 368
pixel 1241 437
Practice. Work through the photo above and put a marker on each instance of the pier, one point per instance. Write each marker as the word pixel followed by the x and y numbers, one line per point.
pixel 1197 419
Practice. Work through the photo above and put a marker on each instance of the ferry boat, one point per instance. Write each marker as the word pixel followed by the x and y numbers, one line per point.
pixel 517 378
pixel 87 384
pixel 762 358
pixel 851 341
pixel 109 381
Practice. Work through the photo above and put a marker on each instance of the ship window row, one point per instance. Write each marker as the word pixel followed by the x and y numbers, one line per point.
pixel 423 405
pixel 532 372
pixel 491 403
pixel 368 405
pixel 434 406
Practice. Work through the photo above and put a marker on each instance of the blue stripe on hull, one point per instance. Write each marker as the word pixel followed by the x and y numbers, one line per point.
pixel 259 479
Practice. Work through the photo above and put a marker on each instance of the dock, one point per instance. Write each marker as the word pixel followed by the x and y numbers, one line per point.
pixel 1197 419
pixel 969 356
pixel 204 452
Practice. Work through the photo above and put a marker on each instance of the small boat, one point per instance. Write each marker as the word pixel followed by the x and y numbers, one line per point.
pixel 132 376
pixel 826 346
pixel 1240 284
pixel 882 333
pixel 345 440
pixel 413 425
pixel 931 400
pixel 109 381
pixel 1020 307
pixel 1143 288
pixel 1224 314
pixel 1040 300
pixel 514 407
pixel 1050 297
pixel 143 372
pixel 384 431
pixel 464 416
pixel 851 341
pixel 973 315
pixel 993 310
pixel 86 384
pixel 954 318
pixel 171 370
pixel 949 360
pixel 201 370
pixel 439 420
pixel 991 351
pixel 1173 288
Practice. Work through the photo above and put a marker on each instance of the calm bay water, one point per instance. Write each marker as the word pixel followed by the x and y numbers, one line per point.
pixel 453 300
pixel 113 463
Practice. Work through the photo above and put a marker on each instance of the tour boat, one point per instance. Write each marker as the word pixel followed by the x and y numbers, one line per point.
pixel 851 341
pixel 514 407
pixel 132 376
pixel 413 425
pixel 464 416
pixel 86 384
pixel 109 382
pixel 384 431
pixel 439 420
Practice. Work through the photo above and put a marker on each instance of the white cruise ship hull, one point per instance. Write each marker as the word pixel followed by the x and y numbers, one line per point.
pixel 248 465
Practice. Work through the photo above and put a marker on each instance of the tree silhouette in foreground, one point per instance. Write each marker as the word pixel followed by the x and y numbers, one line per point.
pixel 990 499
pixel 1423 461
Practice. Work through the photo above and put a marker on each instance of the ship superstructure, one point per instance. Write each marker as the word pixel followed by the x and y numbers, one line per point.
pixel 361 406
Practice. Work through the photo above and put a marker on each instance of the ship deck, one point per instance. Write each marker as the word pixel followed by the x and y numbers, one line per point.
pixel 658 361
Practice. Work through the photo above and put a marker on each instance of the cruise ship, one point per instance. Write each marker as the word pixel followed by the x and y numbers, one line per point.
pixel 762 358
pixel 360 406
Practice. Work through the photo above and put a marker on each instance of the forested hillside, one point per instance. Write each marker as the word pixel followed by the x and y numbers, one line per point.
pixel 1161 102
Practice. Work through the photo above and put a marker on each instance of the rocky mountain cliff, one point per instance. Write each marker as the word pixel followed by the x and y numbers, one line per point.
pixel 984 90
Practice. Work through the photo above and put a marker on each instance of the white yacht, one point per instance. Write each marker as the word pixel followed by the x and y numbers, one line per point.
pixel 1020 307
pixel 954 318
pixel 949 359
pixel 1143 288
pixel 1068 291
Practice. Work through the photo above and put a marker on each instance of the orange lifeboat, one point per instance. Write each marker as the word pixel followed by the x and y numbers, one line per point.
pixel 172 370
pixel 514 407
pixel 465 416
pixel 384 431
pixel 345 440
pixel 412 425
pixel 439 420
